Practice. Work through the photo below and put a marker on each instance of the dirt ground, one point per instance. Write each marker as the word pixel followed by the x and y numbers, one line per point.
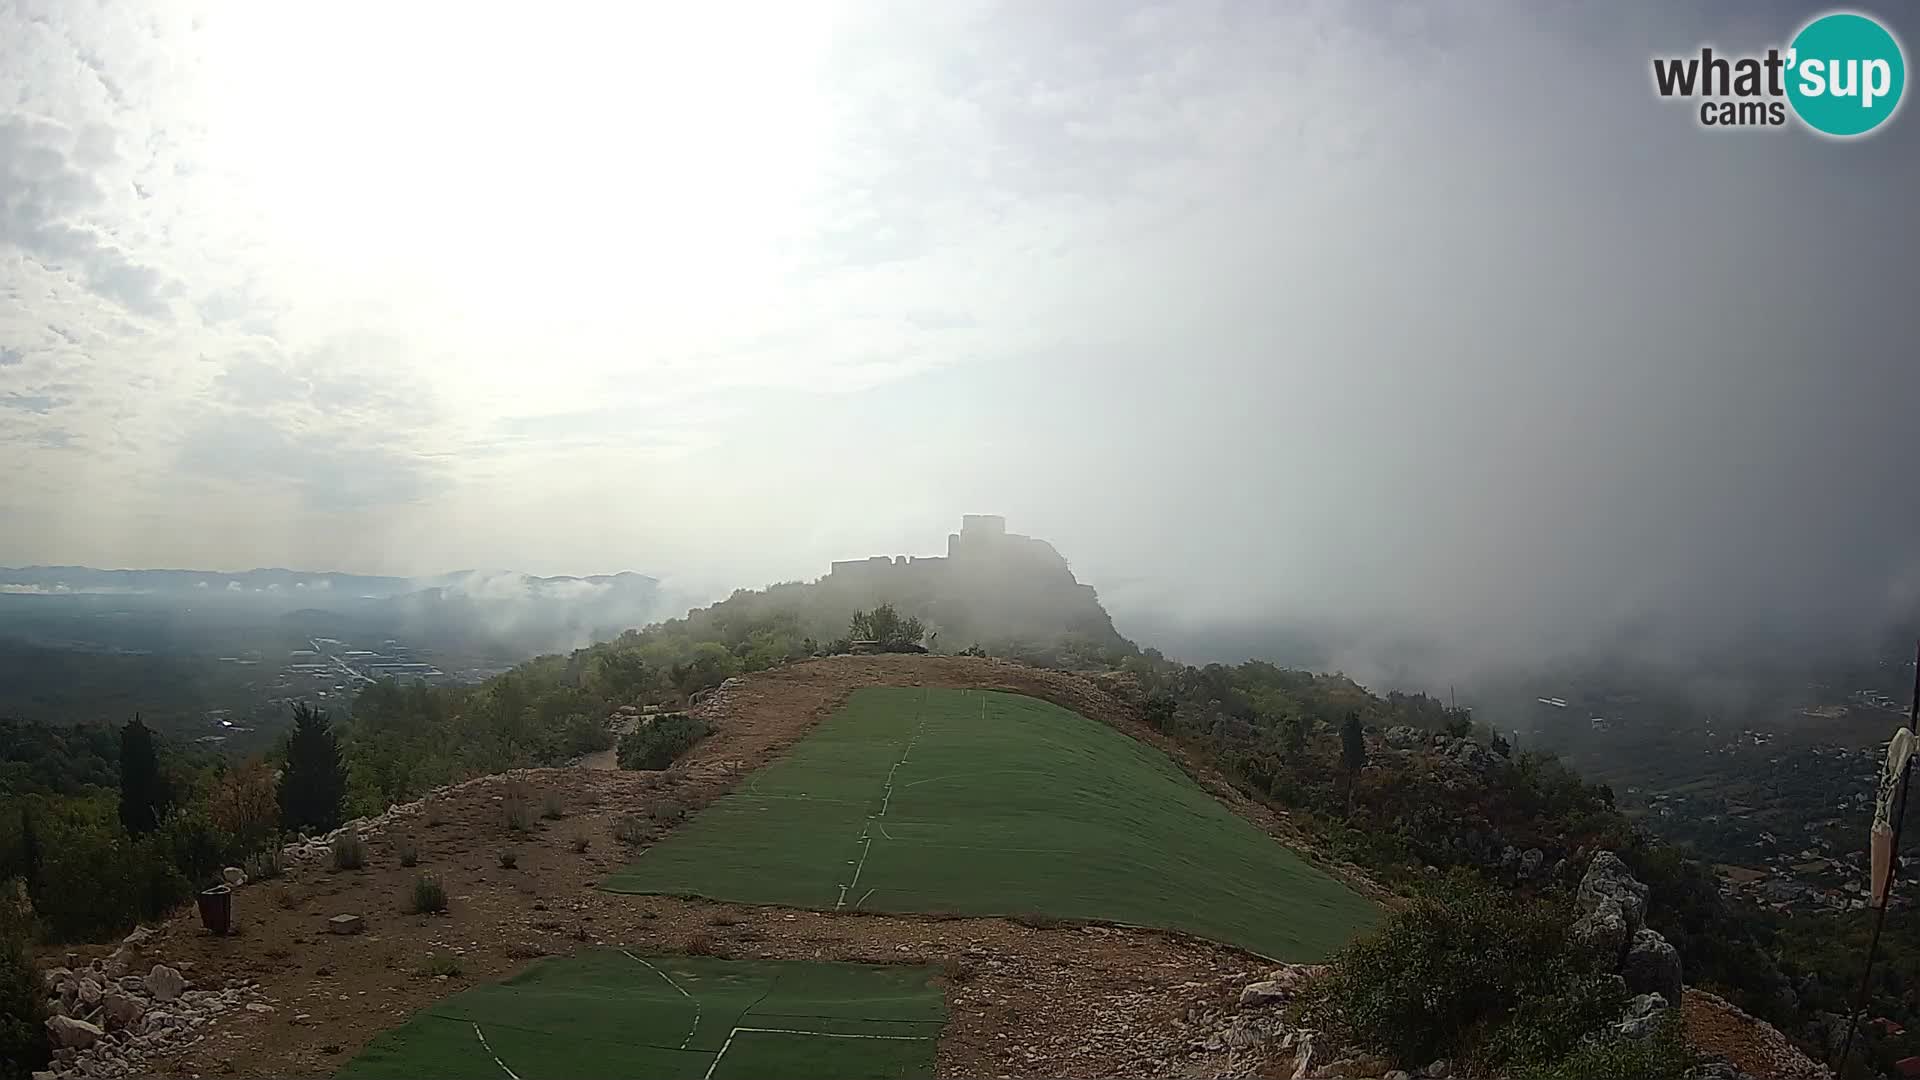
pixel 1025 999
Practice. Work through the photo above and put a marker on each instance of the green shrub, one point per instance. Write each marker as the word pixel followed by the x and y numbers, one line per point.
pixel 518 806
pixel 551 805
pixel 509 858
pixel 194 844
pixel 660 743
pixel 349 851
pixel 23 1006
pixel 1468 973
pixel 408 849
pixel 266 864
pixel 429 895
pixel 433 811
pixel 1548 1027
pixel 94 883
pixel 1663 1056
pixel 632 831
pixel 436 964
pixel 585 734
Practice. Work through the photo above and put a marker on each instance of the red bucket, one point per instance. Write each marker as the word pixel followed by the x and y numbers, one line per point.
pixel 216 909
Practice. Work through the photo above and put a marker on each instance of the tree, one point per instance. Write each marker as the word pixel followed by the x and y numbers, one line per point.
pixel 1353 753
pixel 29 847
pixel 1295 727
pixel 245 805
pixel 884 626
pixel 144 798
pixel 315 781
pixel 23 1002
pixel 624 674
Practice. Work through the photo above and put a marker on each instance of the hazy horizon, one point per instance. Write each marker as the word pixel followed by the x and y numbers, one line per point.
pixel 1433 318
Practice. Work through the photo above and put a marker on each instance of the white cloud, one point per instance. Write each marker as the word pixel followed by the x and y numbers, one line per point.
pixel 735 289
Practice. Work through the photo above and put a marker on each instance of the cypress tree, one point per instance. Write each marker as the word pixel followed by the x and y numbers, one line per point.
pixel 314 784
pixel 29 848
pixel 144 798
pixel 1353 753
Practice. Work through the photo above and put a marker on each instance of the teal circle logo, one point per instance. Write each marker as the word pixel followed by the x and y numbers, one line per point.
pixel 1845 74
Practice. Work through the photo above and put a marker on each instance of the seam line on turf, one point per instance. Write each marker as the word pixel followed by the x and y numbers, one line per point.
pixel 794 1031
pixel 866 831
pixel 496 1057
pixel 684 1043
pixel 834 1034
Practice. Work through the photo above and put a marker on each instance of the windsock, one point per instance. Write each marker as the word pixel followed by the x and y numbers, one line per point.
pixel 1899 749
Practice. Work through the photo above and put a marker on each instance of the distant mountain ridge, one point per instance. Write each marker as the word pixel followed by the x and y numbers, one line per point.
pixel 54 580
pixel 497 611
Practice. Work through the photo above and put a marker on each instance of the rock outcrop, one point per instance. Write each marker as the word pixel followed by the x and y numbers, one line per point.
pixel 1613 905
pixel 104 1025
pixel 1652 965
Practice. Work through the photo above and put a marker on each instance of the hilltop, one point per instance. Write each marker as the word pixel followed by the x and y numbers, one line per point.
pixel 805 792
pixel 1031 994
pixel 994 591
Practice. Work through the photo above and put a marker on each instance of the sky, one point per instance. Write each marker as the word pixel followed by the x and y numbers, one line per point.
pixel 1430 313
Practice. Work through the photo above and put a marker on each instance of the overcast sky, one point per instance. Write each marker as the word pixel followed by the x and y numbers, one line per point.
pixel 1429 311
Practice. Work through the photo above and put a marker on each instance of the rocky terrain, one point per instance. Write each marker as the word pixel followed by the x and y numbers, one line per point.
pixel 289 994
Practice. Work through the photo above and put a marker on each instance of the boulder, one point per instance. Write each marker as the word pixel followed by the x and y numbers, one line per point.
pixel 68 1033
pixel 234 876
pixel 164 983
pixel 123 1010
pixel 88 992
pixel 346 924
pixel 1266 992
pixel 1652 965
pixel 1303 1057
pixel 1403 737
pixel 1470 755
pixel 120 962
pixel 138 937
pixel 1604 929
pixel 1531 862
pixel 1608 878
pixel 1642 1014
pixel 1240 1036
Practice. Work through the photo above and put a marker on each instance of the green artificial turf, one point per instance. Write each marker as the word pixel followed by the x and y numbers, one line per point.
pixel 610 1012
pixel 981 803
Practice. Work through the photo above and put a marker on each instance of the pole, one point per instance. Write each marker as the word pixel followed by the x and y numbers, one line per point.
pixel 1893 869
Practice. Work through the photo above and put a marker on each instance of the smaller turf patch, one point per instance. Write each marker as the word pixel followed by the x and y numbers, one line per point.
pixel 617 1012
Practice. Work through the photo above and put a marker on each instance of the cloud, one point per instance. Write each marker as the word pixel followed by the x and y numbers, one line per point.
pixel 1428 315
pixel 328 475
pixel 47 196
pixel 33 403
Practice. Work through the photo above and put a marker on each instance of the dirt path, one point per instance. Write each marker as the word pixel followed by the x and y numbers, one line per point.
pixel 1025 999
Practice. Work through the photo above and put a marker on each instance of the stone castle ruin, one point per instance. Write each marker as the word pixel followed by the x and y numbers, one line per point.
pixel 990 584
pixel 983 542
